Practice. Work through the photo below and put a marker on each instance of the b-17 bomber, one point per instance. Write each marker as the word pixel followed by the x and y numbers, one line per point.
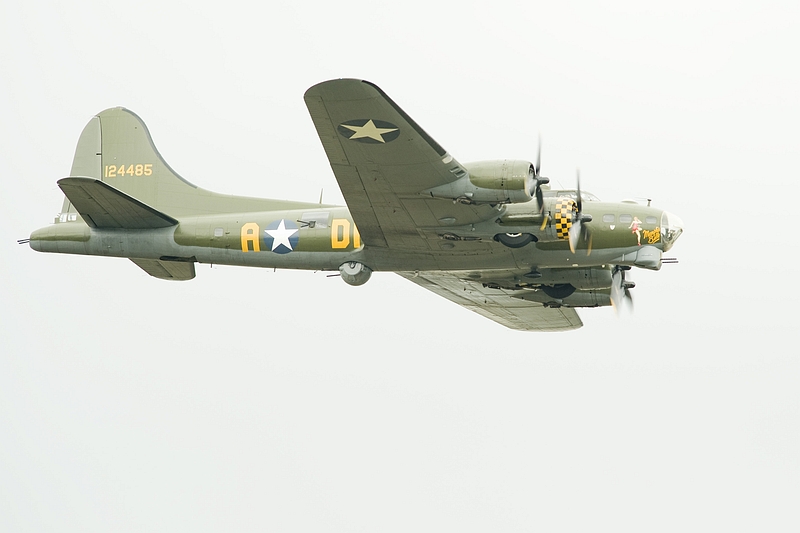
pixel 491 236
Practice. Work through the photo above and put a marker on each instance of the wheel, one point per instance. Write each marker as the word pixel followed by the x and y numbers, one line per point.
pixel 514 240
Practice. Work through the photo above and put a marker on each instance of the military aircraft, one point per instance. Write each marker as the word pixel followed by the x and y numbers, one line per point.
pixel 491 236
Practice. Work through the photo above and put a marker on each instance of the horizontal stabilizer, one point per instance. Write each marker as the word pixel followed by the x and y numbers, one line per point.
pixel 103 206
pixel 174 270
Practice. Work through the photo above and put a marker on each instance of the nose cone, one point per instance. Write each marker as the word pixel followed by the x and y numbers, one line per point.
pixel 671 229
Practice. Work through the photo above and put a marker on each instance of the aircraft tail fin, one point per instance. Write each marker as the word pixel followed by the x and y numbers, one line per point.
pixel 116 148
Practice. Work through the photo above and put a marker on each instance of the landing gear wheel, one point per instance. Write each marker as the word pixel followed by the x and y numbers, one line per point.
pixel 514 240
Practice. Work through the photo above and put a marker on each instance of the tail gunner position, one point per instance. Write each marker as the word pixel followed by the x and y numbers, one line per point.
pixel 491 236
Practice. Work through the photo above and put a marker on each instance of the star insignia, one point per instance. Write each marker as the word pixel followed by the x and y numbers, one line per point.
pixel 370 131
pixel 282 236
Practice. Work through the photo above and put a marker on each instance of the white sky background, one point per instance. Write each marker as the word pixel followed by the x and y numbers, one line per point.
pixel 248 399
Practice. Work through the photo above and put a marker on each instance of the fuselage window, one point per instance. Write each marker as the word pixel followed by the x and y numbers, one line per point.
pixel 608 219
pixel 625 219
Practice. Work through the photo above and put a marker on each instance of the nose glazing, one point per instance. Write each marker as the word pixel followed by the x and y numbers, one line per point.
pixel 671 229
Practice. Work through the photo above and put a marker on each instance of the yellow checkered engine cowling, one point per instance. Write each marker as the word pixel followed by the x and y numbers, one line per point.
pixel 563 213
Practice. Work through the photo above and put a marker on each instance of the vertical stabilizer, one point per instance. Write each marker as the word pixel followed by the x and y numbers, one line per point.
pixel 116 147
pixel 130 162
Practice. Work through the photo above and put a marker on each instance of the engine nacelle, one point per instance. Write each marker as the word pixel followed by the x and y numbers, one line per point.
pixel 554 225
pixel 580 278
pixel 562 211
pixel 355 273
pixel 491 182
pixel 573 298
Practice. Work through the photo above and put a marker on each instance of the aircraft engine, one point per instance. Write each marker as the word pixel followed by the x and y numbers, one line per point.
pixel 562 212
pixel 567 296
pixel 491 182
pixel 554 222
pixel 579 278
pixel 355 273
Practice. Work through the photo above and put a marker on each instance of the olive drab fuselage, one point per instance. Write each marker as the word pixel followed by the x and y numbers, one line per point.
pixel 322 238
pixel 491 236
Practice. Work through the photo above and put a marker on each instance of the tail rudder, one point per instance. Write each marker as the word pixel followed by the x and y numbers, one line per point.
pixel 87 162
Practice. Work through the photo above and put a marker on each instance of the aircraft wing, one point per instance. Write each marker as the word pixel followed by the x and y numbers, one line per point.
pixel 497 304
pixel 383 161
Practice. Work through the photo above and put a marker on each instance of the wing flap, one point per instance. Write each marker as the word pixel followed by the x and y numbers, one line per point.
pixel 497 304
pixel 362 212
pixel 103 206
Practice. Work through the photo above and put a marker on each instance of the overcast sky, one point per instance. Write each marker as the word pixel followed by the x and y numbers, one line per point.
pixel 248 399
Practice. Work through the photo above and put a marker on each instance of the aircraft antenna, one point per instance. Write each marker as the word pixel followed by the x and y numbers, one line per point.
pixel 320 196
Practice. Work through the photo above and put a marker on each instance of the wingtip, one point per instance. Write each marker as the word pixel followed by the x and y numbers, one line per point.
pixel 339 86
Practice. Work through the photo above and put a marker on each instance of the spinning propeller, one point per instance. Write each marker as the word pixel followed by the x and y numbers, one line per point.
pixel 538 179
pixel 620 290
pixel 578 232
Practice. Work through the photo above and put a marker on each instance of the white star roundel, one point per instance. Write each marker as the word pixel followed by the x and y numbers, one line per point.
pixel 281 236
